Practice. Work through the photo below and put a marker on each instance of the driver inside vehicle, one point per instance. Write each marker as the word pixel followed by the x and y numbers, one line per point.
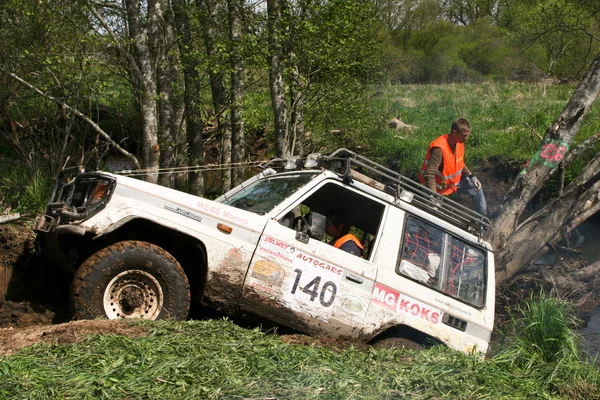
pixel 338 227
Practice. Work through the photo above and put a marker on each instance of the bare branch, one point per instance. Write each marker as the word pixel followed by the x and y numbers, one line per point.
pixel 105 135
pixel 124 52
pixel 581 147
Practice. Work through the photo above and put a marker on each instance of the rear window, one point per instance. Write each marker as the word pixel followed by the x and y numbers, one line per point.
pixel 441 261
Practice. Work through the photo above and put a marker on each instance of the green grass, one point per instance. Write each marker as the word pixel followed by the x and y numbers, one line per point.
pixel 219 360
pixel 23 189
pixel 507 120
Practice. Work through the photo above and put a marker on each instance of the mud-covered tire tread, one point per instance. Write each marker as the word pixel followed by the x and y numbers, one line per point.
pixel 90 280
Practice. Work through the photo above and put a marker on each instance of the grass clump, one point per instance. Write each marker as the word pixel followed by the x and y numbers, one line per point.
pixel 544 345
pixel 219 360
pixel 23 189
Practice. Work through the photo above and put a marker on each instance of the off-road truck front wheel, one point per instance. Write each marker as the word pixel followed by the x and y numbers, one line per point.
pixel 130 279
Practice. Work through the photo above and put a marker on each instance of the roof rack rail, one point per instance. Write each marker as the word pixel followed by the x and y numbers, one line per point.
pixel 406 189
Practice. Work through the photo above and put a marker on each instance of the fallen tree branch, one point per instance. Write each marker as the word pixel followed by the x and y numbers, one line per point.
pixel 8 218
pixel 97 128
pixel 587 273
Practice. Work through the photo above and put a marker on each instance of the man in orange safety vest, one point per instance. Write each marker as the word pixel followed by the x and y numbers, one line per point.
pixel 444 170
pixel 338 227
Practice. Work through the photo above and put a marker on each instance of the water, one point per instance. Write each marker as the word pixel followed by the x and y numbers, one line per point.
pixel 591 336
pixel 590 229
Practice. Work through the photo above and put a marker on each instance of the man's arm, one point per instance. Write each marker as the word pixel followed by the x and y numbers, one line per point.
pixel 435 160
pixel 466 171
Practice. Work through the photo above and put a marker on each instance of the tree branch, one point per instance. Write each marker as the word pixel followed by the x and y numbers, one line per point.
pixel 581 147
pixel 124 52
pixel 97 128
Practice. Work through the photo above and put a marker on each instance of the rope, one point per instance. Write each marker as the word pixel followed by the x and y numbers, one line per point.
pixel 188 169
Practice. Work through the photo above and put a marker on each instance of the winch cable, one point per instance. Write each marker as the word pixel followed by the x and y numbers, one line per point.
pixel 188 169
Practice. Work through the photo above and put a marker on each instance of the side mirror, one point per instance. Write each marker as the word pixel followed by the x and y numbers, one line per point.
pixel 316 225
pixel 314 228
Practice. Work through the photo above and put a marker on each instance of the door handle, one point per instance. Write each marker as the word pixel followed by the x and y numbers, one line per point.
pixel 354 278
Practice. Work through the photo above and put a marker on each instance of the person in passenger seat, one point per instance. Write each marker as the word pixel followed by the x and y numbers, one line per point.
pixel 338 227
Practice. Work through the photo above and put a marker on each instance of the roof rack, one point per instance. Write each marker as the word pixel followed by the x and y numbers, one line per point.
pixel 406 189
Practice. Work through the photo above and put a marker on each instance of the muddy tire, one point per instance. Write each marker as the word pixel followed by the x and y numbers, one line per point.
pixel 130 279
pixel 397 343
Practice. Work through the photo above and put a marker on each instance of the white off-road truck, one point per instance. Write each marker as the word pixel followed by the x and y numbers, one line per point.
pixel 139 250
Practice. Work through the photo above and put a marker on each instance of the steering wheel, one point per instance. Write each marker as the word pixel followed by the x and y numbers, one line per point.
pixel 303 224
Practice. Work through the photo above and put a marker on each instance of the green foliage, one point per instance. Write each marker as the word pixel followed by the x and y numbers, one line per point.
pixel 219 360
pixel 556 35
pixel 23 189
pixel 444 52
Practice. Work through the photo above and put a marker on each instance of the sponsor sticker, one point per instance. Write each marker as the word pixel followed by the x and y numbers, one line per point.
pixel 222 213
pixel 314 265
pixel 277 249
pixel 403 304
pixel 269 273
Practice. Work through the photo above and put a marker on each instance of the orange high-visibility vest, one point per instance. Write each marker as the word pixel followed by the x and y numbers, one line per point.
pixel 347 237
pixel 454 162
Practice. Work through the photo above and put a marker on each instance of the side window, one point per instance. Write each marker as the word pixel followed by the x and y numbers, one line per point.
pixel 353 213
pixel 437 259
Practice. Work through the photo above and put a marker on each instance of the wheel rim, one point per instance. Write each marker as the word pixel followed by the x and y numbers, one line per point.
pixel 133 294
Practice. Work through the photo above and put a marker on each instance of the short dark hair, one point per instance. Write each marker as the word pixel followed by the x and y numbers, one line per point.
pixel 460 125
pixel 339 216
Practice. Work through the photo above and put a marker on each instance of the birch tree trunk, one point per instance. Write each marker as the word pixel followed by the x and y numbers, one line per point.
pixel 238 147
pixel 142 45
pixel 276 85
pixel 166 100
pixel 297 87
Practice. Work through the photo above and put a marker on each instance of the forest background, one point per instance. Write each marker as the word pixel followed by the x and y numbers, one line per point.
pixel 180 91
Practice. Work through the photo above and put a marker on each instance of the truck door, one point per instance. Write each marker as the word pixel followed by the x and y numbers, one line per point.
pixel 306 283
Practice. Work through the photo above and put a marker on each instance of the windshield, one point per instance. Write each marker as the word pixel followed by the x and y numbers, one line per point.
pixel 263 195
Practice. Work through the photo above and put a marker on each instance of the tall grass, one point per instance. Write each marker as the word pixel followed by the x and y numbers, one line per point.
pixel 543 332
pixel 23 189
pixel 543 343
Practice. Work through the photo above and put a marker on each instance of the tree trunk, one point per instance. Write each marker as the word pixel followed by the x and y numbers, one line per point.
pixel 166 101
pixel 238 148
pixel 276 86
pixel 148 86
pixel 208 19
pixel 191 95
pixel 297 87
pixel 555 145
pixel 528 243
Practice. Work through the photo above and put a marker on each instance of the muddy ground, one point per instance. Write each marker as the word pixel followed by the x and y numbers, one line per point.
pixel 34 305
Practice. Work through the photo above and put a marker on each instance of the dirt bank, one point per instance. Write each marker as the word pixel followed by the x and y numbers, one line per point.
pixel 13 339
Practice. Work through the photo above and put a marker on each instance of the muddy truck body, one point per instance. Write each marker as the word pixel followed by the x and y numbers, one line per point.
pixel 140 250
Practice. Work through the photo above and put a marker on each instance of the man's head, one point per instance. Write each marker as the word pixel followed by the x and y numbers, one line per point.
pixel 337 224
pixel 460 131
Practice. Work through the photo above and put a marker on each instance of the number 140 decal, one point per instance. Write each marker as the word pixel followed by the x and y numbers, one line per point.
pixel 329 289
